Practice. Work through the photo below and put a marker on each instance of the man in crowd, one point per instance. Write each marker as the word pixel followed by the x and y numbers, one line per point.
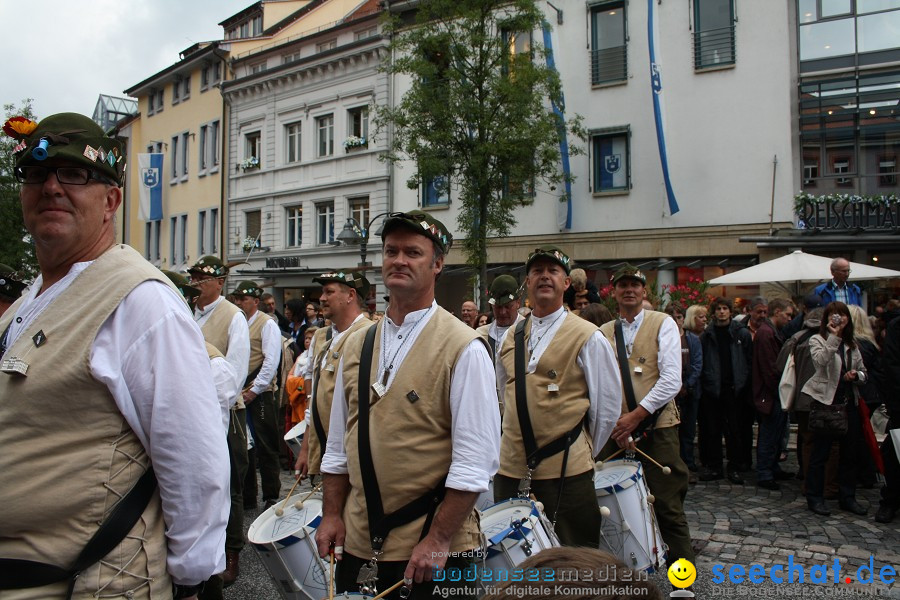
pixel 11 287
pixel 838 288
pixel 649 352
pixel 267 305
pixel 556 422
pixel 504 300
pixel 76 348
pixel 225 327
pixel 765 378
pixel 469 313
pixel 724 403
pixel 343 297
pixel 416 430
pixel 259 392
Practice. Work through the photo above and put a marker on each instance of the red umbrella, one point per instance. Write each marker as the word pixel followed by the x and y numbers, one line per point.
pixel 869 435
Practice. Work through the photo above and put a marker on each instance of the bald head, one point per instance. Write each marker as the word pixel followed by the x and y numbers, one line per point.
pixel 840 270
pixel 469 313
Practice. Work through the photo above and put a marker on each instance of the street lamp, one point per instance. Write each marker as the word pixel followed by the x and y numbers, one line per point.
pixel 354 233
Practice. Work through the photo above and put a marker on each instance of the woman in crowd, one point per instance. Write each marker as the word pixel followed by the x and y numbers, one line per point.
pixel 483 319
pixel 695 319
pixel 839 373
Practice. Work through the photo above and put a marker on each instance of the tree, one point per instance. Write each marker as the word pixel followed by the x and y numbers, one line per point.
pixel 16 248
pixel 478 113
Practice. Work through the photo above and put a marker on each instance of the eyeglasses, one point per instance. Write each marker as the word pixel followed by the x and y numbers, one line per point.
pixel 67 175
pixel 841 271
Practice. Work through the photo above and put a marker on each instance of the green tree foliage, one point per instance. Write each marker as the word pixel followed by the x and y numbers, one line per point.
pixel 16 248
pixel 478 112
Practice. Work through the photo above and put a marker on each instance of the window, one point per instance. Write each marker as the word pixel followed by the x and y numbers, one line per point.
pixel 151 240
pixel 176 92
pixel 359 210
pixel 324 46
pixel 173 234
pixel 204 78
pixel 151 103
pixel 887 171
pixel 178 240
pixel 201 233
pixel 518 47
pixel 288 58
pixel 174 162
pixel 611 162
pixel 182 239
pixel 810 170
pixel 840 165
pixel 213 230
pixel 186 88
pixel 324 223
pixel 253 225
pixel 292 142
pixel 159 100
pixel 256 26
pixel 713 33
pixel 245 29
pixel 202 149
pixel 216 73
pixel 257 68
pixel 366 33
pixel 436 191
pixel 325 135
pixel 184 154
pixel 214 144
pixel 294 235
pixel 252 148
pixel 609 51
pixel 208 151
pixel 359 127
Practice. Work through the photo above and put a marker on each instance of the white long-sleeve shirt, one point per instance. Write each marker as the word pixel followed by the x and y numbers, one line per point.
pixel 310 368
pixel 475 419
pixel 172 409
pixel 668 361
pixel 271 349
pixel 601 372
pixel 238 355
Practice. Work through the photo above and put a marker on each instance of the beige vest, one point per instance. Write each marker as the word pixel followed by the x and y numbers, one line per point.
pixel 67 452
pixel 552 413
pixel 645 355
pixel 325 386
pixel 215 332
pixel 410 443
pixel 256 352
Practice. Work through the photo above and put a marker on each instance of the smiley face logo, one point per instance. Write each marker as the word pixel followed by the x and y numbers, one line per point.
pixel 682 573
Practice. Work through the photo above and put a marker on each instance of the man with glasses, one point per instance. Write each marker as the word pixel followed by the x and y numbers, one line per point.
pixel 225 327
pixel 838 288
pixel 103 344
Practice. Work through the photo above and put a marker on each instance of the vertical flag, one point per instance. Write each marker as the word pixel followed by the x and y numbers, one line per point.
pixel 150 168
pixel 564 213
pixel 656 85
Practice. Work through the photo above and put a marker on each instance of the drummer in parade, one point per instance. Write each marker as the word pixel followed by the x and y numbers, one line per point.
pixel 503 297
pixel 561 392
pixel 422 435
pixel 648 347
pixel 343 299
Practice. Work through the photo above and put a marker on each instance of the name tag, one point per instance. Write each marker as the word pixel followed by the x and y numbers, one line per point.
pixel 14 365
pixel 379 389
pixel 638 370
pixel 329 368
pixel 552 388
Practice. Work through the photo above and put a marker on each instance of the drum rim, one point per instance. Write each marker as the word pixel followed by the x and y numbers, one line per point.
pixel 620 485
pixel 300 533
pixel 288 435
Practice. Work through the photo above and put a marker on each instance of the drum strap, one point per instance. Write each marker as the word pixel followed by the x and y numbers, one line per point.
pixel 18 574
pixel 380 525
pixel 316 417
pixel 645 427
pixel 533 454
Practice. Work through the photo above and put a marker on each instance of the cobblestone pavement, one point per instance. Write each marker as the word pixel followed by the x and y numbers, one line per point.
pixel 735 525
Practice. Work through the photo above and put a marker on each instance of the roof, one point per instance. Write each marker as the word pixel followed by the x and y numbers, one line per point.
pixel 111 109
pixel 185 64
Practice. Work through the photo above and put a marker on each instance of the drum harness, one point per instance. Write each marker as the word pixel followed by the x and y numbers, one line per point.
pixel 380 524
pixel 533 454
pixel 645 428
pixel 314 409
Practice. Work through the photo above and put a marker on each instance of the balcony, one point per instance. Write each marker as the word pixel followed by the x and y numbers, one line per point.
pixel 714 48
pixel 609 65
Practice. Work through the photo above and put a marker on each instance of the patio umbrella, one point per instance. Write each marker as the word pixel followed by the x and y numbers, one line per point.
pixel 799 267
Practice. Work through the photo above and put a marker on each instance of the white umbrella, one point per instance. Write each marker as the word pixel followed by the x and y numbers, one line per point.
pixel 799 267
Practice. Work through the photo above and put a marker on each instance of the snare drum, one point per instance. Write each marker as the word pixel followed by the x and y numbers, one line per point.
pixel 630 531
pixel 514 530
pixel 294 438
pixel 287 548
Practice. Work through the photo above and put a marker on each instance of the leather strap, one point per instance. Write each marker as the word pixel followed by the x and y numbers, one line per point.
pixel 645 427
pixel 316 417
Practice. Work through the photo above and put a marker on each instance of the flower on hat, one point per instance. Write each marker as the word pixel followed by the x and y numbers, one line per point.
pixel 19 127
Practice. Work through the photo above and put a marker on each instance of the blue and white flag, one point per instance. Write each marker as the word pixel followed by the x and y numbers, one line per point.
pixel 656 85
pixel 564 210
pixel 150 167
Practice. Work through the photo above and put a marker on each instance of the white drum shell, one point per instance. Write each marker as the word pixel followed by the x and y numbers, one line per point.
pixel 507 547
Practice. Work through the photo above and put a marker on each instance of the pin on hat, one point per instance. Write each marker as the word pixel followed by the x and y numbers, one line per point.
pixel 422 223
pixel 248 288
pixel 549 252
pixel 628 271
pixel 211 266
pixel 357 281
pixel 504 289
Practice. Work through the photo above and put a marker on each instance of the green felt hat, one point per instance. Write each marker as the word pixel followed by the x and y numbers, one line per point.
pixel 628 271
pixel 504 289
pixel 357 281
pixel 549 252
pixel 68 137
pixel 422 223
pixel 248 288
pixel 182 283
pixel 11 284
pixel 209 265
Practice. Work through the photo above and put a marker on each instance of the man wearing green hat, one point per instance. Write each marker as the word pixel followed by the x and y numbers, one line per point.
pixel 504 300
pixel 101 342
pixel 556 422
pixel 11 287
pixel 410 427
pixel 259 389
pixel 343 299
pixel 648 347
pixel 225 327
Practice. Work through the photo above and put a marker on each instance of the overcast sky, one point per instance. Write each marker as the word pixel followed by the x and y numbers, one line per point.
pixel 64 53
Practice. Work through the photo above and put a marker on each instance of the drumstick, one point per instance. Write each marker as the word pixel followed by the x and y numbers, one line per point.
pixel 331 577
pixel 299 503
pixel 611 456
pixel 665 470
pixel 280 510
pixel 389 590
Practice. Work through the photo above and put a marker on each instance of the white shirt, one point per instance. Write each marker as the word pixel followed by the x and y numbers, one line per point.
pixel 271 349
pixel 227 386
pixel 310 372
pixel 238 355
pixel 475 418
pixel 497 333
pixel 170 407
pixel 601 372
pixel 668 361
